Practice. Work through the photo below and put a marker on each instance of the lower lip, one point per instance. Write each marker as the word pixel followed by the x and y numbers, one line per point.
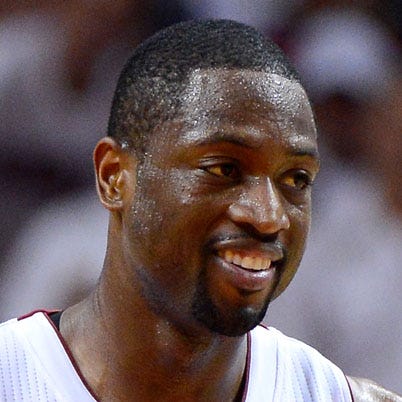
pixel 246 279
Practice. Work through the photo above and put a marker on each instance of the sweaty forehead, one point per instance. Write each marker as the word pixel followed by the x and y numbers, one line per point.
pixel 249 82
pixel 222 92
pixel 220 85
pixel 221 96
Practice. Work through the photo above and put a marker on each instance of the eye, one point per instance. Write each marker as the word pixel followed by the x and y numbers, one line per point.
pixel 229 170
pixel 298 180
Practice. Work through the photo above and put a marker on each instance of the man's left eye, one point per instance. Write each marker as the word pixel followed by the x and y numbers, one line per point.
pixel 299 180
pixel 224 170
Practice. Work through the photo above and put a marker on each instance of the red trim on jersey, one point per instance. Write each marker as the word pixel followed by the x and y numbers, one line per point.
pixel 71 357
pixel 65 346
pixel 46 312
pixel 247 368
pixel 350 389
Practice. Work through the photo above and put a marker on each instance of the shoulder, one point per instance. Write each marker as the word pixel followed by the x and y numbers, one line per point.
pixel 365 390
pixel 34 364
pixel 19 337
pixel 301 372
pixel 17 358
pixel 291 350
pixel 7 329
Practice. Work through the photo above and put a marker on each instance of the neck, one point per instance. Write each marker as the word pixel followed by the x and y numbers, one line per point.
pixel 131 351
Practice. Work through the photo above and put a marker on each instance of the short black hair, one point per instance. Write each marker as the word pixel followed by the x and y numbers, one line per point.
pixel 150 86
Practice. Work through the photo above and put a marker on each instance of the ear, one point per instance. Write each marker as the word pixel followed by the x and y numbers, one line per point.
pixel 115 170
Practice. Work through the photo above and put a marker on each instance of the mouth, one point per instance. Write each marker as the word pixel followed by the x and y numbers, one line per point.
pixel 248 262
pixel 249 270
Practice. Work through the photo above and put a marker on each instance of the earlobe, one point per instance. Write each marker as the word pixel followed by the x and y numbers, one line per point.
pixel 111 172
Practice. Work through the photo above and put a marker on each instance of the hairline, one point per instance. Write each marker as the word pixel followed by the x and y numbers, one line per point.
pixel 186 84
pixel 151 86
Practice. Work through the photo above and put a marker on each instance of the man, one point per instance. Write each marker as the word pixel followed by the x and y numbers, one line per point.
pixel 207 174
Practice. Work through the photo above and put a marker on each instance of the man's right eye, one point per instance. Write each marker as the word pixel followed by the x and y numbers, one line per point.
pixel 229 170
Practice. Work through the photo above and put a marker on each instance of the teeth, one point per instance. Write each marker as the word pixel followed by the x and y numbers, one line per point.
pixel 228 256
pixel 237 259
pixel 253 263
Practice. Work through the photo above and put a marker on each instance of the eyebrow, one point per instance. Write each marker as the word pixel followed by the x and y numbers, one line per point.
pixel 251 142
pixel 235 138
pixel 306 151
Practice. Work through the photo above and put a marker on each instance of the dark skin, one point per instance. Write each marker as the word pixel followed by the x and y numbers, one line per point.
pixel 232 174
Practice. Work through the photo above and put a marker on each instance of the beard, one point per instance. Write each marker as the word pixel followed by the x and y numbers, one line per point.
pixel 233 322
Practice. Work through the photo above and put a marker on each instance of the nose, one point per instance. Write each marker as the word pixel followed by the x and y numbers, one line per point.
pixel 260 206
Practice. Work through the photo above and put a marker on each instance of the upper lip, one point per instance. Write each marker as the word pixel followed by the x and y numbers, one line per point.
pixel 273 251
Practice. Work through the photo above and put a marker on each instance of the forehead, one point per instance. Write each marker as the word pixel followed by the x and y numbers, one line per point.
pixel 247 98
pixel 249 108
pixel 244 85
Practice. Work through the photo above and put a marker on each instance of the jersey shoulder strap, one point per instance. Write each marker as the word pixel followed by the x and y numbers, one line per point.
pixel 285 369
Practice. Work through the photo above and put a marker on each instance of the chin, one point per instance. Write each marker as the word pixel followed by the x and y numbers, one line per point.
pixel 224 318
pixel 228 323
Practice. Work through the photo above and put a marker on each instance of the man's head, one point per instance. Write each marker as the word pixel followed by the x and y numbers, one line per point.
pixel 210 179
pixel 150 87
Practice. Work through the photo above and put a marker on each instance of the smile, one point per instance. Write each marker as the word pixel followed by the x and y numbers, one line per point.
pixel 247 262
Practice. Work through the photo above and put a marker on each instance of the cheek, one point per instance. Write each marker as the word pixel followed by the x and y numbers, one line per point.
pixel 170 217
pixel 295 244
pixel 297 239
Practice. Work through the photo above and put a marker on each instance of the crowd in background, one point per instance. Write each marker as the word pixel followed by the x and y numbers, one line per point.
pixel 59 62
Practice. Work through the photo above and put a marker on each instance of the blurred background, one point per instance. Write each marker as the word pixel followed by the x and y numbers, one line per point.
pixel 59 62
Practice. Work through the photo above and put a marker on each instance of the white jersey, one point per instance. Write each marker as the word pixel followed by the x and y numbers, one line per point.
pixel 35 365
